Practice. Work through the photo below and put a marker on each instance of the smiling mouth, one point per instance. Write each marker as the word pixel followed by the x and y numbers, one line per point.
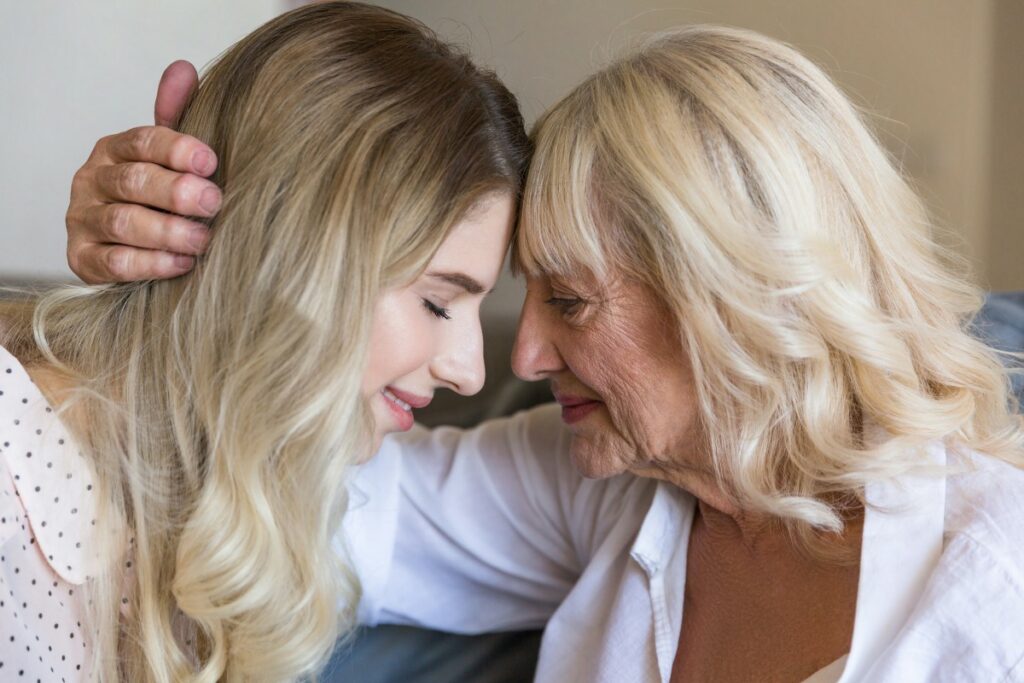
pixel 401 404
pixel 575 408
pixel 390 396
pixel 576 412
pixel 399 409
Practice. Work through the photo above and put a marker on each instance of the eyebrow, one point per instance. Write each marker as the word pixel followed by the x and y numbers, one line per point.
pixel 459 280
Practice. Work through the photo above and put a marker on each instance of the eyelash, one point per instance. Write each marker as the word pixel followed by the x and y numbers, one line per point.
pixel 436 310
pixel 566 305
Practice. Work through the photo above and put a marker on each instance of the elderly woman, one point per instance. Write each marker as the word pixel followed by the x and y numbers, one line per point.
pixel 778 453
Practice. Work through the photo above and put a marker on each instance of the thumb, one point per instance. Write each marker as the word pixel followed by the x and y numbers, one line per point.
pixel 176 85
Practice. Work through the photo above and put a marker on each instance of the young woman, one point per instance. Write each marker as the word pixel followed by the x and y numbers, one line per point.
pixel 175 452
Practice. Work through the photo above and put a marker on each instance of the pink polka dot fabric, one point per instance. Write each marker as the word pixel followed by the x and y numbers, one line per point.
pixel 47 514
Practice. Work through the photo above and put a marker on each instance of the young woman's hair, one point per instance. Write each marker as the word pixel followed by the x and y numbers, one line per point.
pixel 728 174
pixel 222 409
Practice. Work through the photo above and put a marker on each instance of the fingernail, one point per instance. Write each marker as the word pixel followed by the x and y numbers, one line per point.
pixel 209 200
pixel 203 162
pixel 198 237
pixel 183 262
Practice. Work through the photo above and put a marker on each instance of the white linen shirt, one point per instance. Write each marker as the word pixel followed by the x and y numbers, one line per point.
pixel 492 529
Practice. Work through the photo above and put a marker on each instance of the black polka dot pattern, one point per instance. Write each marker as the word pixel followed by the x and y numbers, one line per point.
pixel 46 510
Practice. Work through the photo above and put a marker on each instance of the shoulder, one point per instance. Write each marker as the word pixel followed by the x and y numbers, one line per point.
pixel 972 609
pixel 51 479
pixel 985 505
pixel 42 535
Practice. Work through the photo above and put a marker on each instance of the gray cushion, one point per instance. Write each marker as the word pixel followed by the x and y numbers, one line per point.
pixel 403 654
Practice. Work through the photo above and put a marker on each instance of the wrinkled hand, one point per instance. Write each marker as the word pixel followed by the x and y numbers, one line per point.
pixel 127 216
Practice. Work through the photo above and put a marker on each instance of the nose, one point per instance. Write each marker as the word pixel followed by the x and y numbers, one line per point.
pixel 535 355
pixel 460 363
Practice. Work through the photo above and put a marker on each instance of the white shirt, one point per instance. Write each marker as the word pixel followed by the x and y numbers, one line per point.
pixel 492 529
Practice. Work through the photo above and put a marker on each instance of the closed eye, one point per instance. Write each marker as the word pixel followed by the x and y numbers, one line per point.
pixel 436 310
pixel 567 305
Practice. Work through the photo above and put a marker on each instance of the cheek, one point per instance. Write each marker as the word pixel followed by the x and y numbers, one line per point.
pixel 606 359
pixel 649 397
pixel 399 341
pixel 610 362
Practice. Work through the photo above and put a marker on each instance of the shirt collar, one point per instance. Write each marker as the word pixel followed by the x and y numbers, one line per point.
pixel 665 529
pixel 903 536
pixel 902 540
pixel 53 480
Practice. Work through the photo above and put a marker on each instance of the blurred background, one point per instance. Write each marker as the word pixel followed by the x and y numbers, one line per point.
pixel 943 79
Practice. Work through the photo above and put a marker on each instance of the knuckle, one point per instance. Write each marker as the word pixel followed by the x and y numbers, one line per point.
pixel 81 184
pixel 77 181
pixel 74 260
pixel 181 192
pixel 119 221
pixel 131 179
pixel 118 263
pixel 180 148
pixel 141 141
pixel 100 146
pixel 72 220
pixel 172 229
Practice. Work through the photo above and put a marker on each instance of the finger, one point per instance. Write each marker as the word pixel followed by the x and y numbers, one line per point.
pixel 161 146
pixel 136 226
pixel 155 186
pixel 102 263
pixel 176 85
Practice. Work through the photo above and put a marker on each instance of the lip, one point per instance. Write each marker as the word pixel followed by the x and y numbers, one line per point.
pixel 404 419
pixel 414 400
pixel 575 408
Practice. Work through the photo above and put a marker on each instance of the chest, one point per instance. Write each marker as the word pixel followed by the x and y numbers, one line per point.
pixel 747 619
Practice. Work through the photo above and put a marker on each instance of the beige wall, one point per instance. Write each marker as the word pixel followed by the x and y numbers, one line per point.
pixel 1006 175
pixel 937 72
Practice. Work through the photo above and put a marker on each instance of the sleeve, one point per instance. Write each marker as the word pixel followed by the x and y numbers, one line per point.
pixel 475 530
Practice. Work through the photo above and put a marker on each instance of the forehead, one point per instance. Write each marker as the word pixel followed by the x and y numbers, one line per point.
pixel 476 245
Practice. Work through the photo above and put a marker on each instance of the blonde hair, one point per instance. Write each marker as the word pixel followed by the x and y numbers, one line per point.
pixel 222 410
pixel 726 172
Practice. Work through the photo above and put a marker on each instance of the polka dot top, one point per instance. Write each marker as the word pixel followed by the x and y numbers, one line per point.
pixel 47 514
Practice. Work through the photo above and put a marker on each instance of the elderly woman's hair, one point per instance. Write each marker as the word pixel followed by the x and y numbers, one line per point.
pixel 826 330
pixel 222 409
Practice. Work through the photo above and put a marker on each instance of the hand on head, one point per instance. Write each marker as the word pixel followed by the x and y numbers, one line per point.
pixel 127 217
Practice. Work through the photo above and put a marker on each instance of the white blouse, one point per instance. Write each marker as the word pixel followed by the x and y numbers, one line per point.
pixel 493 529
pixel 47 516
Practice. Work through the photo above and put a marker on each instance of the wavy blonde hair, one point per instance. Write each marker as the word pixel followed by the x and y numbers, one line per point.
pixel 726 172
pixel 222 409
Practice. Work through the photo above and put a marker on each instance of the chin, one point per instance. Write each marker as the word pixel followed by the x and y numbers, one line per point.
pixel 594 460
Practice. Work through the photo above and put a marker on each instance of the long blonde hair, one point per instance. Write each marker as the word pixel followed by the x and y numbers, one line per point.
pixel 222 409
pixel 727 173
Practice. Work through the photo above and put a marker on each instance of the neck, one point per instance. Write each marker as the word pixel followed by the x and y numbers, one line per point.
pixel 724 521
pixel 754 531
pixel 53 384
